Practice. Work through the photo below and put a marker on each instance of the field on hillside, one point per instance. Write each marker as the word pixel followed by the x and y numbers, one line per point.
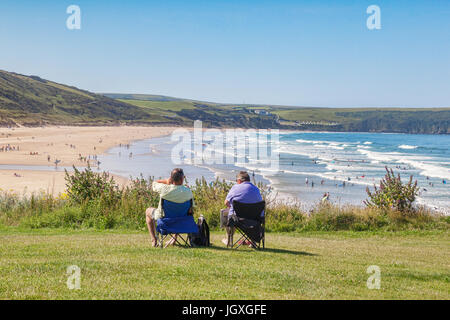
pixel 320 265
pixel 405 120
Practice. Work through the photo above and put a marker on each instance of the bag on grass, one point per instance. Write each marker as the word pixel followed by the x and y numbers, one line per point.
pixel 200 239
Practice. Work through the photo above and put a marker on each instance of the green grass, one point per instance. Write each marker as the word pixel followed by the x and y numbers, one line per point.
pixel 161 106
pixel 315 265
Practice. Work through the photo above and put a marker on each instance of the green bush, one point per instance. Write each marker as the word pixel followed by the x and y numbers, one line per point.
pixel 87 185
pixel 284 218
pixel 393 194
pixel 93 200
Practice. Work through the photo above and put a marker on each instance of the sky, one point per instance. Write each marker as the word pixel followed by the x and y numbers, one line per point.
pixel 299 53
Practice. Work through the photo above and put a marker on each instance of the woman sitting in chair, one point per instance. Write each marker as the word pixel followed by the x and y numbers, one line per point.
pixel 171 189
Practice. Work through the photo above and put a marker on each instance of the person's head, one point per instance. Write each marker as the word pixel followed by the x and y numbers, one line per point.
pixel 242 177
pixel 177 176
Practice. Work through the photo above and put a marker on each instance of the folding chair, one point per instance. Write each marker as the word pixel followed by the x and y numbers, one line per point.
pixel 249 223
pixel 176 221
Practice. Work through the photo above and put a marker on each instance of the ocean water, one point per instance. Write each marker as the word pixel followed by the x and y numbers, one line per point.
pixel 309 164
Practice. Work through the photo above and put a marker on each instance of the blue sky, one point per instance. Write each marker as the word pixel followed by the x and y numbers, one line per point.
pixel 305 53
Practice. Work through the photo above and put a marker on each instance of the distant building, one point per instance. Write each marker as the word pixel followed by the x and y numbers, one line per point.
pixel 262 112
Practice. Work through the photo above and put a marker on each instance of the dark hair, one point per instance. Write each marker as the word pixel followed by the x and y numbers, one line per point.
pixel 243 176
pixel 177 175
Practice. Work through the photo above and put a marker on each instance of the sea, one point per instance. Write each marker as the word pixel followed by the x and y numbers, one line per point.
pixel 303 165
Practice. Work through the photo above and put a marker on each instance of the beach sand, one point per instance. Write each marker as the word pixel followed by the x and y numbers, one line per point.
pixel 60 143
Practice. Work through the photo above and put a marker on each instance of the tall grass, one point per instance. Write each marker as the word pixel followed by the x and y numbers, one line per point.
pixel 94 200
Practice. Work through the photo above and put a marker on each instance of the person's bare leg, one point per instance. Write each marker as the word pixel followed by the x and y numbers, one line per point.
pixel 151 225
pixel 230 233
pixel 223 223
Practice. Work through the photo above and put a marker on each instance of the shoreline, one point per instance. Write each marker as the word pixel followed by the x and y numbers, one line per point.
pixel 41 146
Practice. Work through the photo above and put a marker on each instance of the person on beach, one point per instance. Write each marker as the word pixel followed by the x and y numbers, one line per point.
pixel 326 197
pixel 171 189
pixel 243 191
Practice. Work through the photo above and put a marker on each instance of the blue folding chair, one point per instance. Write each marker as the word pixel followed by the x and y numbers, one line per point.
pixel 177 220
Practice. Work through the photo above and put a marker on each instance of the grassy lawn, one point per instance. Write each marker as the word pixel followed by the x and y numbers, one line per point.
pixel 122 265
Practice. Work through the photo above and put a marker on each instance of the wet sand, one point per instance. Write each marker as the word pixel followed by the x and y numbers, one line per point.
pixel 34 146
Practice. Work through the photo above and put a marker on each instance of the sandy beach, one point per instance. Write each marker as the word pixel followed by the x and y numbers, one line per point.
pixel 44 145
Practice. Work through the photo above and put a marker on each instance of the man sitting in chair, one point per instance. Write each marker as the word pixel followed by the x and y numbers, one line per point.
pixel 171 189
pixel 245 192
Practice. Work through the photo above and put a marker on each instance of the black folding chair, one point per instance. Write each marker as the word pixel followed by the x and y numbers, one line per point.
pixel 249 223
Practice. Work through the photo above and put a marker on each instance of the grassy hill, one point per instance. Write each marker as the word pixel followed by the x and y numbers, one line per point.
pixel 398 120
pixel 185 112
pixel 32 101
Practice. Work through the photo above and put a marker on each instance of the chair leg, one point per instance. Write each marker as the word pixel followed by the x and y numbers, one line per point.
pixel 183 242
pixel 243 238
pixel 169 242
pixel 230 240
pixel 263 233
pixel 264 238
pixel 161 243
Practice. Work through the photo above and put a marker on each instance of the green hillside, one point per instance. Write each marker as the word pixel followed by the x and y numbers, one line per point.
pixel 399 120
pixel 32 101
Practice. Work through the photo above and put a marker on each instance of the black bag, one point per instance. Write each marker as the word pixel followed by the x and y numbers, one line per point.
pixel 200 239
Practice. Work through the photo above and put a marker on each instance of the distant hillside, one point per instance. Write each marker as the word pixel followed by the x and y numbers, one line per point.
pixel 397 120
pixel 32 101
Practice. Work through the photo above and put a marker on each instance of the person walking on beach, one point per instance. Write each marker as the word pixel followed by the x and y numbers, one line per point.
pixel 171 189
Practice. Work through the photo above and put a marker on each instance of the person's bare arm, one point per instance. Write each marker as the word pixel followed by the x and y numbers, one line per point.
pixel 165 181
pixel 227 203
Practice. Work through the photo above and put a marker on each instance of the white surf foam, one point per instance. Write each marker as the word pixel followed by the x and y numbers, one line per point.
pixel 407 147
pixel 419 162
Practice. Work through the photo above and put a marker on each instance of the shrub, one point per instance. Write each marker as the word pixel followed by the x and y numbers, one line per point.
pixel 209 199
pixel 393 194
pixel 281 217
pixel 87 185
